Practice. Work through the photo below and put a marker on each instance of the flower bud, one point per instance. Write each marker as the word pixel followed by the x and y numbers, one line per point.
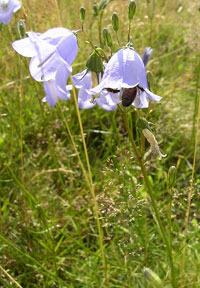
pixel 152 278
pixel 82 14
pixel 95 63
pixel 172 176
pixel 103 4
pixel 131 10
pixel 115 22
pixel 21 28
pixel 95 9
pixel 107 37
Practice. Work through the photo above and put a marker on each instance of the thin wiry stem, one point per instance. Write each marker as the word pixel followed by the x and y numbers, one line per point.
pixel 153 201
pixel 11 279
pixel 25 14
pixel 20 124
pixel 96 209
pixel 26 216
pixel 70 135
pixel 58 12
pixel 191 192
pixel 90 181
pixel 117 38
pixel 129 30
pixel 171 190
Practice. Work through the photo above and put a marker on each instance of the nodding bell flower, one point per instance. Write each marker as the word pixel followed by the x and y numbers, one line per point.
pixel 52 54
pixel 83 81
pixel 51 51
pixel 7 8
pixel 153 142
pixel 125 77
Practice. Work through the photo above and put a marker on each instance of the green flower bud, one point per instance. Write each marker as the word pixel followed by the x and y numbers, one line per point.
pixel 107 37
pixel 82 14
pixel 95 63
pixel 131 10
pixel 95 9
pixel 115 22
pixel 21 28
pixel 172 176
pixel 142 123
pixel 152 278
pixel 103 4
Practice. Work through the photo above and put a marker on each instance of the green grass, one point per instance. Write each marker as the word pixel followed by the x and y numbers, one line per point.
pixel 49 236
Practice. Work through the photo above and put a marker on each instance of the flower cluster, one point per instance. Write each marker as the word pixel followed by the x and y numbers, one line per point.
pixel 52 54
pixel 7 8
pixel 121 80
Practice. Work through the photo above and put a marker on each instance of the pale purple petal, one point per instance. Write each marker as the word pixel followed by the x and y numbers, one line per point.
pixel 70 53
pixel 55 35
pixel 125 69
pixel 61 79
pixel 46 67
pixel 26 47
pixel 84 100
pixel 57 88
pixel 80 81
pixel 50 95
pixel 62 38
pixel 106 102
pixel 83 82
pixel 141 100
pixel 152 96
pixel 7 8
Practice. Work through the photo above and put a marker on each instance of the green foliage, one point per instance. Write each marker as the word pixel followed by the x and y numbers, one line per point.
pixel 48 231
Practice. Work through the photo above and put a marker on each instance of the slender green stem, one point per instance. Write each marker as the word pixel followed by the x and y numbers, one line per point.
pixel 196 100
pixel 129 30
pixel 117 38
pixel 100 28
pixel 104 57
pixel 190 194
pixel 89 181
pixel 96 209
pixel 170 217
pixel 70 135
pixel 11 279
pixel 153 201
pixel 58 12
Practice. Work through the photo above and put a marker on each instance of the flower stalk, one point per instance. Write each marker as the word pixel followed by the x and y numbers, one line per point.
pixel 153 201
pixel 96 210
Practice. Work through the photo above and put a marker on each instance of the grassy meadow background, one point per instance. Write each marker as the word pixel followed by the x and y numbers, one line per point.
pixel 48 232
